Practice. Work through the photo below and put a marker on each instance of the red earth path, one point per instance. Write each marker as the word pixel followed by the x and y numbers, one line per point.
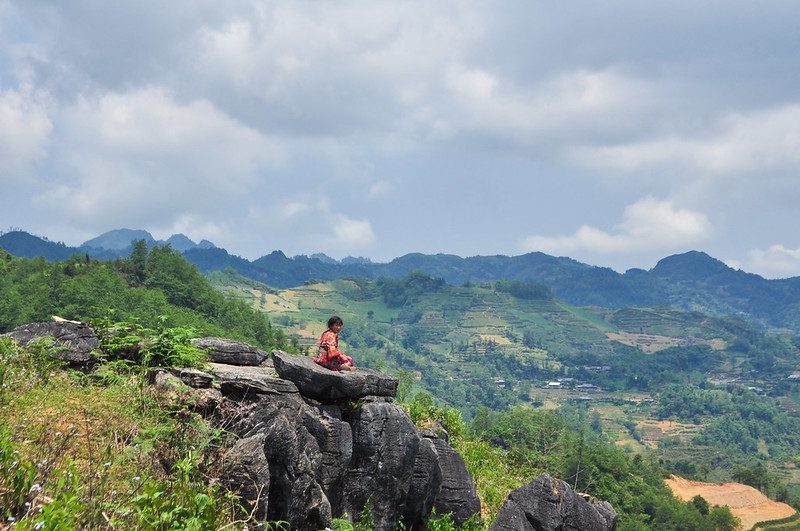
pixel 745 502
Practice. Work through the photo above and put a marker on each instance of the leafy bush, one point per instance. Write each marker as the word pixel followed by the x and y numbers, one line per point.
pixel 422 411
pixel 172 347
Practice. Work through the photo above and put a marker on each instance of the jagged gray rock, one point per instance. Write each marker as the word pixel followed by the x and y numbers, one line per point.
pixel 335 439
pixel 329 459
pixel 72 342
pixel 426 483
pixel 295 459
pixel 230 351
pixel 194 378
pixel 548 504
pixel 328 386
pixel 192 392
pixel 245 470
pixel 238 382
pixel 316 444
pixel 385 447
pixel 458 494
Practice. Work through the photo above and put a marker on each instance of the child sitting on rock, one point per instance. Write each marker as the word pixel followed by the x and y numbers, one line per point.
pixel 329 355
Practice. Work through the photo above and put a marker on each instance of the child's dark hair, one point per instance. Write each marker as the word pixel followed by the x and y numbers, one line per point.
pixel 334 321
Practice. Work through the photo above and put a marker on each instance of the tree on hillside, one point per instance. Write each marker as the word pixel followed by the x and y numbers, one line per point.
pixel 138 262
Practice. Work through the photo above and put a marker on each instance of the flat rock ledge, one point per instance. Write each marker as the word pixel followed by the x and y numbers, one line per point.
pixel 328 386
pixel 230 351
pixel 549 504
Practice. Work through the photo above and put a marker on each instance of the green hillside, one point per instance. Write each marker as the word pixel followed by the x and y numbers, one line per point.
pixel 520 333
pixel 507 343
pixel 153 287
pixel 692 281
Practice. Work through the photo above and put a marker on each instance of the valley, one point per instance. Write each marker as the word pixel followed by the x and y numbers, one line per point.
pixel 624 373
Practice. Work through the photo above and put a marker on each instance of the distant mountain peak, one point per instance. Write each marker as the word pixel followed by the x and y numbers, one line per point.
pixel 181 243
pixel 324 258
pixel 689 265
pixel 119 239
pixel 122 240
pixel 351 260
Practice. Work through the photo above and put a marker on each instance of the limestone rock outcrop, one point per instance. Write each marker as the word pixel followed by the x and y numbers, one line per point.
pixel 315 444
pixel 70 341
pixel 230 351
pixel 457 495
pixel 549 504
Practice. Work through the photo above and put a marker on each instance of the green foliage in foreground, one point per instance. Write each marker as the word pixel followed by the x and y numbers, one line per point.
pixel 80 453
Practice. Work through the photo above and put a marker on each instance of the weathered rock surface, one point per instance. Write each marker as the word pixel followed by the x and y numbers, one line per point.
pixel 328 386
pixel 72 342
pixel 172 388
pixel 246 471
pixel 385 448
pixel 548 504
pixel 230 351
pixel 308 459
pixel 458 495
pixel 426 482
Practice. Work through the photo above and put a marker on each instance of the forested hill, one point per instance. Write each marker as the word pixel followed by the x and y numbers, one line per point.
pixel 691 281
pixel 151 290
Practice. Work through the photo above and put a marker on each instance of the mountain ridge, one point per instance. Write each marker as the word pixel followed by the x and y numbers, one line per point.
pixel 691 281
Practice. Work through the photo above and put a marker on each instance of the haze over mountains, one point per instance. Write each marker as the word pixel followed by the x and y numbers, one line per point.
pixel 690 281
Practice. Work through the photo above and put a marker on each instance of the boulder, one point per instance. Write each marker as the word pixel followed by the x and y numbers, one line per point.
pixel 425 484
pixel 319 383
pixel 245 471
pixel 172 388
pixel 193 377
pixel 230 351
pixel 71 341
pixel 335 440
pixel 294 458
pixel 385 447
pixel 548 504
pixel 241 382
pixel 457 494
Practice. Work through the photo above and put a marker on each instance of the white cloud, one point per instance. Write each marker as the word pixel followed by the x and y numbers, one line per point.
pixel 601 102
pixel 648 224
pixel 142 154
pixel 352 234
pixel 775 262
pixel 25 129
pixel 194 226
pixel 380 189
pixel 758 141
pixel 475 84
pixel 292 208
pixel 335 70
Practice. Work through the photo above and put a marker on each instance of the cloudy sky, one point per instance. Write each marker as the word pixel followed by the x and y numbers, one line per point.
pixel 615 132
